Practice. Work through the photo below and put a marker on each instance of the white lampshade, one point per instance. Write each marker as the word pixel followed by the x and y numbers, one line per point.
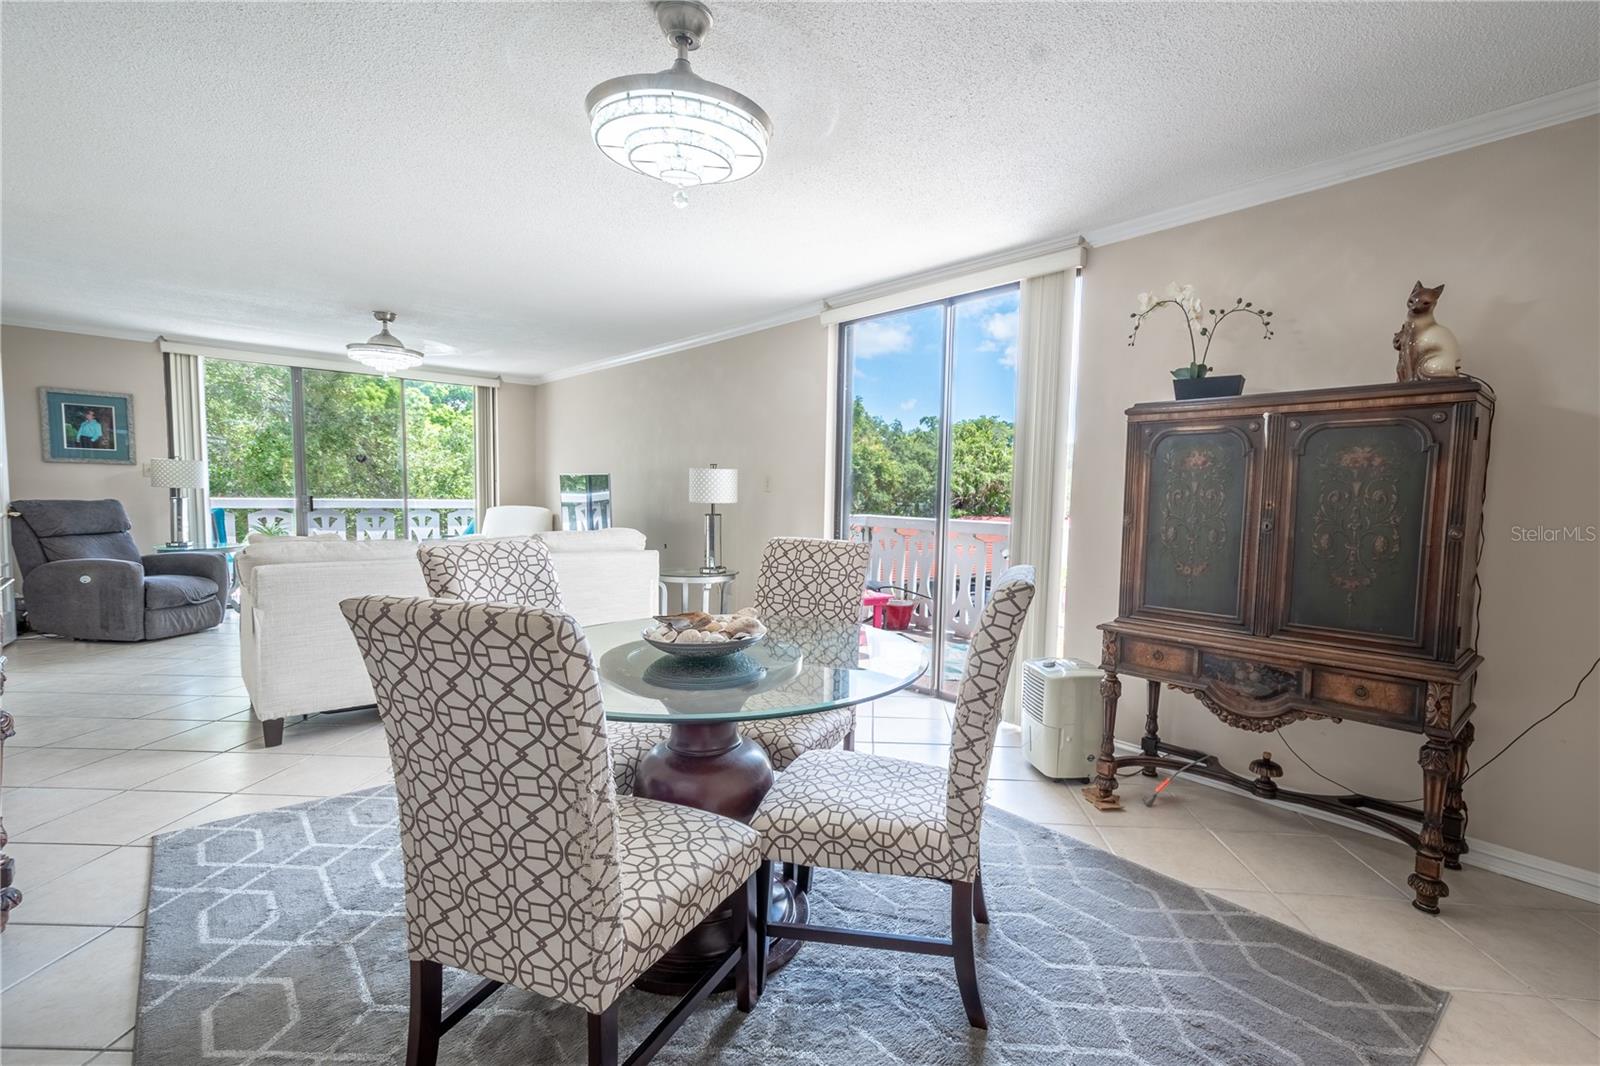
pixel 176 473
pixel 713 484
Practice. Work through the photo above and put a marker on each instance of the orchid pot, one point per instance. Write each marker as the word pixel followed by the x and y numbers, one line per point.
pixel 1196 381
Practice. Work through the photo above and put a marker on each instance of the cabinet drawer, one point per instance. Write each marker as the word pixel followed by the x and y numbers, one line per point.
pixel 1386 699
pixel 1165 658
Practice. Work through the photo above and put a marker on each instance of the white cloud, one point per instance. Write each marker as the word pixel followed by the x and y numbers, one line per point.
pixel 874 338
pixel 1001 326
pixel 908 405
pixel 1000 335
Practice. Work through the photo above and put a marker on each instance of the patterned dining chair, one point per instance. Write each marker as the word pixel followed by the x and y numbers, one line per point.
pixel 522 865
pixel 816 580
pixel 518 570
pixel 847 810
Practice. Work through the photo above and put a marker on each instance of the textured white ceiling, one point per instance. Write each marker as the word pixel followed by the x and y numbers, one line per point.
pixel 268 173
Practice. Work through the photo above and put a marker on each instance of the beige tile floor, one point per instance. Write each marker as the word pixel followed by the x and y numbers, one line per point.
pixel 116 743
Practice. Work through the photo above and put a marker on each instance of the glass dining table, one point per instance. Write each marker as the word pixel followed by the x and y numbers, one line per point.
pixel 800 667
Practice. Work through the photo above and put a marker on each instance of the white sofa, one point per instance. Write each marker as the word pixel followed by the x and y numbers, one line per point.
pixel 296 651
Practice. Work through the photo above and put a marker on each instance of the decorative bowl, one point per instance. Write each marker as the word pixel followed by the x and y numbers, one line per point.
pixel 703 651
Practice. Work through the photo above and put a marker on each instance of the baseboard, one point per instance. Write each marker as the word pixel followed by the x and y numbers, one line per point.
pixel 1485 855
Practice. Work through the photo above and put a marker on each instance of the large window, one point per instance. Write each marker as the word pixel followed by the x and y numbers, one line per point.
pixel 297 450
pixel 926 459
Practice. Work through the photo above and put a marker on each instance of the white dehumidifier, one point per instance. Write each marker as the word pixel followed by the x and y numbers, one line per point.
pixel 1060 716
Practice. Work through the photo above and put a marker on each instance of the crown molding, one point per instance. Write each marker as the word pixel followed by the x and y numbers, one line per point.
pixel 814 308
pixel 314 360
pixel 263 353
pixel 782 318
pixel 1021 254
pixel 82 329
pixel 1580 101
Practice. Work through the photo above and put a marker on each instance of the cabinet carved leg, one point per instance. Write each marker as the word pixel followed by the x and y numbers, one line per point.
pixel 1102 791
pixel 1455 806
pixel 1436 760
pixel 1151 743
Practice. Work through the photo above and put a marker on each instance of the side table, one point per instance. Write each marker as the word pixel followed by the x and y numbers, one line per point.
pixel 688 578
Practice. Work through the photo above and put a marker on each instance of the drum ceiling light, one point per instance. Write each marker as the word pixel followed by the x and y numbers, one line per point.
pixel 674 125
pixel 383 351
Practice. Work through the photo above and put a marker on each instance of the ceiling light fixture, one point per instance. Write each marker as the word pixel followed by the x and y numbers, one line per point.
pixel 674 125
pixel 382 351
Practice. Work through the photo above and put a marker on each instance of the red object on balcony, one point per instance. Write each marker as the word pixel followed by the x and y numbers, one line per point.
pixel 875 600
pixel 897 614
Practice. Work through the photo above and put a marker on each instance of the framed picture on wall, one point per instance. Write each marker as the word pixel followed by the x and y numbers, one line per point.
pixel 76 426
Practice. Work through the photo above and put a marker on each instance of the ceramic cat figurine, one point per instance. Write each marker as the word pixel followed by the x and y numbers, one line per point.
pixel 1427 349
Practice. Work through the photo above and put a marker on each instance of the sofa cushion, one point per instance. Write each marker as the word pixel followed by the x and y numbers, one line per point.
pixel 176 590
pixel 598 540
pixel 319 550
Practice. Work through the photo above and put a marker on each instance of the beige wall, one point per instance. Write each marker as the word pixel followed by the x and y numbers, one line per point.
pixel 35 357
pixel 758 402
pixel 1512 229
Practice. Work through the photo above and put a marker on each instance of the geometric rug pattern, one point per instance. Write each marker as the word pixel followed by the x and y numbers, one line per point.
pixel 277 939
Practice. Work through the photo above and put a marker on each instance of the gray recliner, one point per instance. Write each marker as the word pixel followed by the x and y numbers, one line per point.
pixel 83 576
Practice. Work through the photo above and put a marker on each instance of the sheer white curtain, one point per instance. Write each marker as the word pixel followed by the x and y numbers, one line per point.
pixel 486 467
pixel 1040 458
pixel 186 431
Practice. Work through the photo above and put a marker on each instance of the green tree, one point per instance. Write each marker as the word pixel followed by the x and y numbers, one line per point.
pixel 894 468
pixel 439 440
pixel 980 467
pixel 353 438
pixel 249 440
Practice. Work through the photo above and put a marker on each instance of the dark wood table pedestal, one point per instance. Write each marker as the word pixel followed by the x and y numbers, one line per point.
pixel 710 766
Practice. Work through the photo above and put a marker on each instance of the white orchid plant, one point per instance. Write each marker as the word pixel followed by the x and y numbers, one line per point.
pixel 1202 323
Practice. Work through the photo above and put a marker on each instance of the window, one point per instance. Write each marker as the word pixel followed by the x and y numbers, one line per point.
pixel 298 450
pixel 926 459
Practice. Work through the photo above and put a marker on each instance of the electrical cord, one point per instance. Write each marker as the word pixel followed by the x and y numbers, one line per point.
pixel 1586 674
pixel 1483 766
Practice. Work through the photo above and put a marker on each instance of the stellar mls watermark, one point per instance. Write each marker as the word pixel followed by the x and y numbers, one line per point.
pixel 1555 534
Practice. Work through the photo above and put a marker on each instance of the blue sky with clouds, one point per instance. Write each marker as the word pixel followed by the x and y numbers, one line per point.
pixel 898 359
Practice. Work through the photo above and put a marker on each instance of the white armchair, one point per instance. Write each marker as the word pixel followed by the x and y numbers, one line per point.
pixel 516 520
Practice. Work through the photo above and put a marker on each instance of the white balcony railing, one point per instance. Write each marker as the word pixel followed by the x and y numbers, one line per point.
pixel 358 518
pixel 905 555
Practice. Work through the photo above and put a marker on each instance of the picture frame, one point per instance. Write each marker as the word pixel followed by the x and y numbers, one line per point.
pixel 86 426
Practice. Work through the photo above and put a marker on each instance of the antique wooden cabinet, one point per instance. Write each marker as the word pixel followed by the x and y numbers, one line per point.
pixel 1309 555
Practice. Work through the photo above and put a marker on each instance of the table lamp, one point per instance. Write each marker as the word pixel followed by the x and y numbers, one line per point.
pixel 179 475
pixel 713 485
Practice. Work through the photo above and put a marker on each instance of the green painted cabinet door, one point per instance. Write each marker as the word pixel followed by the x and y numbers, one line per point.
pixel 1358 493
pixel 1200 491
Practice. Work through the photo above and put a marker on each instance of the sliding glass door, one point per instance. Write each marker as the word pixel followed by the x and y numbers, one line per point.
pixel 925 462
pixel 353 440
pixel 295 450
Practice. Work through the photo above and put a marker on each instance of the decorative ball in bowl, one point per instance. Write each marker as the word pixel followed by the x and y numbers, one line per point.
pixel 696 635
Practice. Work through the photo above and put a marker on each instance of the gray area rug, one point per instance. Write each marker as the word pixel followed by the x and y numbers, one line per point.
pixel 276 939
